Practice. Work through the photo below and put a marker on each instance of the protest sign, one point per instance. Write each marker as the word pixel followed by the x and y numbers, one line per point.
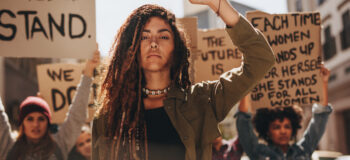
pixel 295 78
pixel 58 84
pixel 216 55
pixel 47 28
pixel 189 26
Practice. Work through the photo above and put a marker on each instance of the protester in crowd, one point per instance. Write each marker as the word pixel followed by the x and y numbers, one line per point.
pixel 150 109
pixel 82 148
pixel 278 126
pixel 34 141
pixel 227 149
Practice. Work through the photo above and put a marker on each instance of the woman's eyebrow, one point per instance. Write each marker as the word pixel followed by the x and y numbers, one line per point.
pixel 160 30
pixel 164 30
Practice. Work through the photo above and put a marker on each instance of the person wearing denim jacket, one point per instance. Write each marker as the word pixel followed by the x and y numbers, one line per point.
pixel 301 150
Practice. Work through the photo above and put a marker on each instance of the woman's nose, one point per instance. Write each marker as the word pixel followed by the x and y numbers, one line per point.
pixel 154 43
pixel 283 130
pixel 36 123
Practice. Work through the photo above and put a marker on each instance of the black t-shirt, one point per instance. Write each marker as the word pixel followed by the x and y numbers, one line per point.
pixel 163 140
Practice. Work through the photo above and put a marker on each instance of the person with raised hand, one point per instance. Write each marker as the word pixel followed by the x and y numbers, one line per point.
pixel 149 109
pixel 278 126
pixel 34 141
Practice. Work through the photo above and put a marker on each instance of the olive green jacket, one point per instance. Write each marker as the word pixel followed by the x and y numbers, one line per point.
pixel 195 113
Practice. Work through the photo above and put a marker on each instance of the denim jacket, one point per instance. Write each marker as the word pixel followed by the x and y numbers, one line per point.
pixel 302 150
pixel 196 112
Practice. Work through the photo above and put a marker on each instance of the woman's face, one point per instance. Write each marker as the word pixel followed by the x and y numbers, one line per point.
pixel 35 126
pixel 157 45
pixel 280 132
pixel 83 144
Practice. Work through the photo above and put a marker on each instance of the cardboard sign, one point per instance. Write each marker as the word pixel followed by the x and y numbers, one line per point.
pixel 58 84
pixel 295 78
pixel 47 28
pixel 189 26
pixel 217 55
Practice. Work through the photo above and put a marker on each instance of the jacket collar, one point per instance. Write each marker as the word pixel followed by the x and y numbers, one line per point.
pixel 290 150
pixel 177 93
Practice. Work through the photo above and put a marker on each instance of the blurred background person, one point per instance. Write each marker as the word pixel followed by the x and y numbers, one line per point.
pixel 34 140
pixel 278 127
pixel 82 148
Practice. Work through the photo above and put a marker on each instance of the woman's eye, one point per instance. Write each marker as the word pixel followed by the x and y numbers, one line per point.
pixel 30 119
pixel 288 126
pixel 164 37
pixel 276 127
pixel 144 37
pixel 41 119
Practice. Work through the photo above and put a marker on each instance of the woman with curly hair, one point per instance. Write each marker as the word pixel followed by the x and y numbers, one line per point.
pixel 278 127
pixel 150 109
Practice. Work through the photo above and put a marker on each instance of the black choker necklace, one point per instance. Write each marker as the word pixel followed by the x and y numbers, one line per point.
pixel 155 92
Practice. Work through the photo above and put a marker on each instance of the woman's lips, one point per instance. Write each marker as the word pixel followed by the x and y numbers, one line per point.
pixel 284 138
pixel 36 131
pixel 154 55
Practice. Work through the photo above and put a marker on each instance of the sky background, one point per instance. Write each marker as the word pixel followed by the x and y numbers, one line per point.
pixel 111 14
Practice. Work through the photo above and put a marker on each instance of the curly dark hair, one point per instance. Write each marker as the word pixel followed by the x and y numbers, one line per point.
pixel 265 116
pixel 124 79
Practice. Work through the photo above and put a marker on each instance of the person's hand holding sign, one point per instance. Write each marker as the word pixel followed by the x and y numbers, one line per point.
pixel 91 64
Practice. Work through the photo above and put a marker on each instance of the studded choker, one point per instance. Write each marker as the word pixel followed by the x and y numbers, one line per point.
pixel 155 92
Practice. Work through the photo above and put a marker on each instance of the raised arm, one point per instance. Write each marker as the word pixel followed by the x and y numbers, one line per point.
pixel 325 77
pixel 258 58
pixel 6 141
pixel 247 137
pixel 317 124
pixel 77 114
pixel 244 105
pixel 223 9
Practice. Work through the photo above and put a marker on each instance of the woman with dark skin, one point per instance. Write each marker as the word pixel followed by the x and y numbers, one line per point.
pixel 150 109
pixel 279 126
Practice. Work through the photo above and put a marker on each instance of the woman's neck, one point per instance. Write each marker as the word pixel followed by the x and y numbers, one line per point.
pixel 32 141
pixel 157 80
pixel 284 148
